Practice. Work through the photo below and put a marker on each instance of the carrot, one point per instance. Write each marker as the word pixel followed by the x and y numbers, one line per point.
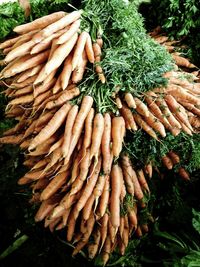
pixel 88 129
pixel 41 163
pixel 185 128
pixel 99 189
pixel 172 120
pixel 78 72
pixel 152 121
pixel 178 110
pixel 89 49
pixel 117 132
pixel 45 208
pixel 24 99
pixel 58 25
pixel 39 23
pixel 142 181
pixel 167 162
pixel 66 72
pixel 63 98
pixel 125 235
pixel 116 178
pixel 149 169
pixel 138 231
pixel 194 121
pixel 81 177
pixel 182 62
pixel 105 143
pixel 179 92
pixel 93 247
pixel 68 129
pixel 9 42
pixel 161 39
pixel 128 117
pixel 141 108
pixel 19 51
pixel 75 168
pixel 103 203
pixel 30 62
pixel 69 33
pixel 106 251
pixel 97 132
pixel 127 174
pixel 130 100
pixel 79 49
pixel 103 229
pixel 12 139
pixel 88 207
pixel 79 122
pixel 51 127
pixel 191 107
pixel 112 231
pixel 184 174
pixel 29 73
pixel 60 54
pixel 54 185
pixel 43 148
pixel 87 190
pixel 145 126
pixel 174 157
pixel 99 41
pixel 132 217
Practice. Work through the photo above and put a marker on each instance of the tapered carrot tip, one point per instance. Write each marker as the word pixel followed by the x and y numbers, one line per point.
pixel 184 174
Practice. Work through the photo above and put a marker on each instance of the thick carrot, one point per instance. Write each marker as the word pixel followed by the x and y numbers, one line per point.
pixel 69 33
pixel 58 25
pixel 39 23
pixel 89 49
pixel 139 120
pixel 19 51
pixel 68 129
pixel 153 122
pixel 78 72
pixel 51 127
pixel 93 247
pixel 182 62
pixel 30 62
pixel 63 98
pixel 167 162
pixel 142 181
pixel 45 208
pixel 141 108
pixel 116 178
pixel 97 132
pixel 117 132
pixel 79 122
pixel 127 174
pixel 128 117
pixel 66 72
pixel 60 54
pixel 132 217
pixel 88 207
pixel 79 49
pixel 12 139
pixel 54 185
pixel 129 100
pixel 174 157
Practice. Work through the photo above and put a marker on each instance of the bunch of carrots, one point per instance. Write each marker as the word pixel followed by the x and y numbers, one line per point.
pixel 78 171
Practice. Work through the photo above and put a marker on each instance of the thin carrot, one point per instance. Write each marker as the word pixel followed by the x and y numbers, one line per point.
pixel 142 181
pixel 68 129
pixel 66 72
pixel 60 54
pixel 153 122
pixel 88 129
pixel 78 72
pixel 93 247
pixel 79 49
pixel 51 127
pixel 89 49
pixel 88 207
pixel 69 33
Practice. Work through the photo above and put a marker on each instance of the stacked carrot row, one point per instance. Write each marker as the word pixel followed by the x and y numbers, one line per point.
pixel 174 108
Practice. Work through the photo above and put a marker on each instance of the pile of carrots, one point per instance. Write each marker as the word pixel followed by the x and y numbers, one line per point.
pixel 78 172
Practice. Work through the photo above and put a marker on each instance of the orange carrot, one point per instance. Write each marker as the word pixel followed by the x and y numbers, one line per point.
pixel 69 33
pixel 153 122
pixel 142 181
pixel 128 117
pixel 51 127
pixel 174 157
pixel 68 129
pixel 167 162
pixel 184 174
pixel 89 49
pixel 130 100
pixel 66 72
pixel 118 126
pixel 60 54
pixel 141 108
pixel 88 129
pixel 97 132
pixel 116 178
pixel 78 72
